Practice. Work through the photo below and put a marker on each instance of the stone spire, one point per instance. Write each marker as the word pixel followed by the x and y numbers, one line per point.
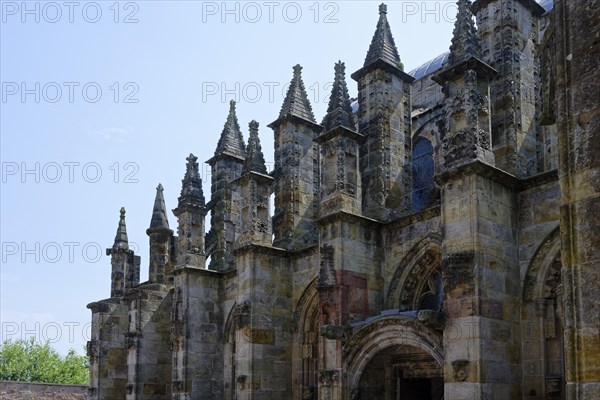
pixel 339 111
pixel 125 266
pixel 159 213
pixel 296 101
pixel 464 38
pixel 383 46
pixel 231 141
pixel 160 239
pixel 191 186
pixel 190 212
pixel 255 160
pixel 121 241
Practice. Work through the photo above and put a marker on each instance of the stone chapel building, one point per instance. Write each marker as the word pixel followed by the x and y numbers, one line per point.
pixel 437 238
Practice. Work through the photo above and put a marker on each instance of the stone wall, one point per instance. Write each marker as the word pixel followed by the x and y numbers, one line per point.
pixel 41 391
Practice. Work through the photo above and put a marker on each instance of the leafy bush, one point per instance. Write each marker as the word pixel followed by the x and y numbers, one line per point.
pixel 29 361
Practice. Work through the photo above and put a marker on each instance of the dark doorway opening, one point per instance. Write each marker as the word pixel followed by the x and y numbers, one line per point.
pixel 402 373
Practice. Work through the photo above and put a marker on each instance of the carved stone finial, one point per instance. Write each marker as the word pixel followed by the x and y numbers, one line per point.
pixel 382 45
pixel 255 160
pixel 464 37
pixel 296 100
pixel 339 111
pixel 191 159
pixel 121 240
pixel 192 196
pixel 159 212
pixel 231 141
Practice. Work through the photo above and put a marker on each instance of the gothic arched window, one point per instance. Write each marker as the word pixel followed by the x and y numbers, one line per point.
pixel 422 168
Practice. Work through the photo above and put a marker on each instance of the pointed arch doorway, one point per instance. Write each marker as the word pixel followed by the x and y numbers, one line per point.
pixel 395 358
pixel 401 372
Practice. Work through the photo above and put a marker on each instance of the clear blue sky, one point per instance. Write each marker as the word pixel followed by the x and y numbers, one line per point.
pixel 102 100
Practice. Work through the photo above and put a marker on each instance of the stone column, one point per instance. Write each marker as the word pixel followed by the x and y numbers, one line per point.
pixel 578 109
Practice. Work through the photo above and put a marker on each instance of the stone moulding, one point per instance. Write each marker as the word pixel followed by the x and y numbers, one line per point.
pixel 102 306
pixel 195 270
pixel 368 340
pixel 538 180
pixel 360 334
pixel 348 217
pixel 430 243
pixel 308 297
pixel 260 249
pixel 411 219
pixel 541 263
pixel 497 175
pixel 237 318
pixel 480 168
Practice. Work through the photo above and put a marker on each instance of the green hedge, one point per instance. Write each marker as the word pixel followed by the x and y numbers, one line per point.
pixel 29 361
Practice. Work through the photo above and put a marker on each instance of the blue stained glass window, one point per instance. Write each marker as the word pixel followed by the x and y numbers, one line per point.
pixel 422 168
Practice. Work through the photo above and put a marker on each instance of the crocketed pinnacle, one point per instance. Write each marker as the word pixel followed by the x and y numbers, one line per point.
pixel 191 186
pixel 121 241
pixel 159 213
pixel 339 111
pixel 231 141
pixel 296 101
pixel 383 46
pixel 255 160
pixel 464 37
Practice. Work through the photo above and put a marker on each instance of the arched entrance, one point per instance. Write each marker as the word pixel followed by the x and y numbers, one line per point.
pixel 401 372
pixel 543 318
pixel 306 355
pixel 395 358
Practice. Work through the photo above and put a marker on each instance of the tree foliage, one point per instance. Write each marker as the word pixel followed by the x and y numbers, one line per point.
pixel 30 361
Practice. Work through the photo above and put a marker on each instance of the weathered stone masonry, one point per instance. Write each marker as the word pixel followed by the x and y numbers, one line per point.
pixel 436 238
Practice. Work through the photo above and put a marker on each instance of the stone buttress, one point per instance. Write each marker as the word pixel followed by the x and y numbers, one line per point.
pixel 196 315
pixel 384 118
pixel 105 349
pixel 296 170
pixel 262 314
pixel 479 266
pixel 578 112
pixel 148 337
pixel 226 167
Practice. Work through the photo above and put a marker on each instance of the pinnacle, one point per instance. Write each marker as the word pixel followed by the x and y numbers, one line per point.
pixel 121 241
pixel 159 213
pixel 231 141
pixel 296 101
pixel 191 186
pixel 191 168
pixel 339 111
pixel 464 37
pixel 255 160
pixel 382 45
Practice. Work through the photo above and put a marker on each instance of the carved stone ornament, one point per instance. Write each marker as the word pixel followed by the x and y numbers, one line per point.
pixel 461 370
pixel 334 332
pixel 328 377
